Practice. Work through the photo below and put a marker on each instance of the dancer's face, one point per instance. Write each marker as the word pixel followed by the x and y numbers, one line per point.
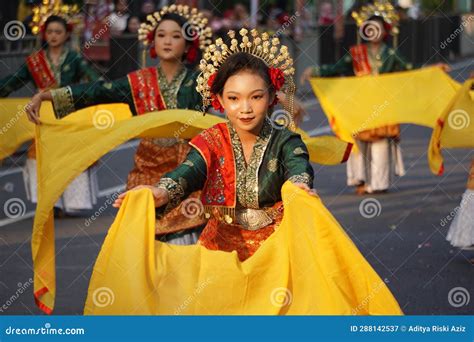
pixel 56 34
pixel 170 44
pixel 245 99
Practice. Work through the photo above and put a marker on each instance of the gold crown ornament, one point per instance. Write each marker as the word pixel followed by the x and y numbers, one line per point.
pixel 262 46
pixel 380 8
pixel 196 24
pixel 52 7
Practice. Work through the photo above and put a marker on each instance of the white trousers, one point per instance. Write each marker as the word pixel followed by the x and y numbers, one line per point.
pixel 81 194
pixel 375 164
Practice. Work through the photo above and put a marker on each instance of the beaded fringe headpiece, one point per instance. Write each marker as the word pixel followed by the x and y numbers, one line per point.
pixel 196 24
pixel 380 8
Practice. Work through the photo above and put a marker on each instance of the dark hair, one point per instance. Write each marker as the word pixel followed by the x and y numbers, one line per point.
pixel 181 21
pixel 237 62
pixel 56 19
pixel 378 19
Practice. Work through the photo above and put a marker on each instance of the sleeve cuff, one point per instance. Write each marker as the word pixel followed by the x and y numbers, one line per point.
pixel 175 192
pixel 63 102
pixel 302 178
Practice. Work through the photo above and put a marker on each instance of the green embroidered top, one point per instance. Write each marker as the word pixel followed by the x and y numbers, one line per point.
pixel 278 155
pixel 72 68
pixel 179 93
pixel 387 61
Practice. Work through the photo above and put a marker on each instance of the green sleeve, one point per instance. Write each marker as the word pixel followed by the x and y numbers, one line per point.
pixel 296 161
pixel 342 67
pixel 188 96
pixel 71 98
pixel 190 176
pixel 15 81
pixel 86 71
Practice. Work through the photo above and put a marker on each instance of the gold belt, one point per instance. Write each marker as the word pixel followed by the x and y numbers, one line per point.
pixel 250 219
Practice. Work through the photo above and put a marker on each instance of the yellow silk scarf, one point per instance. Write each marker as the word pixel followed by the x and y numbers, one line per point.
pixel 354 104
pixel 60 160
pixel 308 266
pixel 16 129
pixel 454 129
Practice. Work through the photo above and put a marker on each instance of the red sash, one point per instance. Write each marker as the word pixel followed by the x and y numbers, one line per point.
pixel 215 146
pixel 41 71
pixel 360 60
pixel 146 90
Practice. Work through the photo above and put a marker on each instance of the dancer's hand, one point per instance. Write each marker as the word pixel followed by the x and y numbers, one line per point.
pixel 445 67
pixel 33 109
pixel 306 75
pixel 305 187
pixel 160 195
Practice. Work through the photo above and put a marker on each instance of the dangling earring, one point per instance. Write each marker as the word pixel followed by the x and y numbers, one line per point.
pixel 153 52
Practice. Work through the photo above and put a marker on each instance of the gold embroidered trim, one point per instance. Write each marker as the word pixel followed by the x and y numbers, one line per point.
pixel 175 192
pixel 247 175
pixel 63 101
pixel 297 151
pixel 301 178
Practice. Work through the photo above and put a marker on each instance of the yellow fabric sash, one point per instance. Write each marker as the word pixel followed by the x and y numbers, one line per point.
pixel 16 129
pixel 355 104
pixel 309 266
pixel 455 128
pixel 60 160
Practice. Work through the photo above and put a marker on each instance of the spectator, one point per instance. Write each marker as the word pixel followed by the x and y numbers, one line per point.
pixel 133 23
pixel 148 7
pixel 326 16
pixel 118 18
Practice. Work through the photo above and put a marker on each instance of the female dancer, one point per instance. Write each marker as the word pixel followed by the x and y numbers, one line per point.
pixel 51 67
pixel 176 34
pixel 379 156
pixel 241 166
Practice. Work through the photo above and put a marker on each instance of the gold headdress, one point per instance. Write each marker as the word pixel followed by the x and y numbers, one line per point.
pixel 380 8
pixel 52 7
pixel 196 24
pixel 264 47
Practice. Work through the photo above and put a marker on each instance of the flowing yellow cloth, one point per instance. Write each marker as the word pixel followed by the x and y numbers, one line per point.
pixel 16 129
pixel 354 104
pixel 308 266
pixel 60 160
pixel 454 129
